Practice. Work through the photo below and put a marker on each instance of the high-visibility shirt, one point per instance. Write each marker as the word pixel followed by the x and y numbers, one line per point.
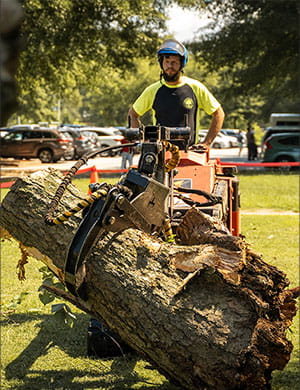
pixel 170 104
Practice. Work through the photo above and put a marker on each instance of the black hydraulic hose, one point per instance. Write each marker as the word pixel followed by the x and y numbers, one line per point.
pixel 67 179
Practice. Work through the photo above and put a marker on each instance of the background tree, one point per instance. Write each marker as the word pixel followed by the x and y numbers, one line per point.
pixel 257 43
pixel 86 56
pixel 107 101
pixel 66 40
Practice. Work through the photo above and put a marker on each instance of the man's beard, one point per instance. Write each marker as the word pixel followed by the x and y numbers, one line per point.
pixel 174 77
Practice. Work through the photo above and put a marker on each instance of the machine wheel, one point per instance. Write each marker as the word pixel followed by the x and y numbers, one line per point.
pixel 45 155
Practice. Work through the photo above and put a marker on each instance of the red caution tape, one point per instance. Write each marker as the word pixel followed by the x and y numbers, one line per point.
pixel 262 164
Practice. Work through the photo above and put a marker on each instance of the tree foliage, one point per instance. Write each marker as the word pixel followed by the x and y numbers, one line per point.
pixel 59 32
pixel 110 32
pixel 89 57
pixel 107 101
pixel 256 42
pixel 67 40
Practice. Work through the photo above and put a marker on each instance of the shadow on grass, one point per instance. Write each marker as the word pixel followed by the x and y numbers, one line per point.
pixel 119 375
pixel 81 380
pixel 51 333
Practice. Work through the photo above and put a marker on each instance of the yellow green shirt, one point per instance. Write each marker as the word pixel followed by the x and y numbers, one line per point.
pixel 176 105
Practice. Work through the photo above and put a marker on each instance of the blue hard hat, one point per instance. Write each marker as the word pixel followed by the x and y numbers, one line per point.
pixel 173 47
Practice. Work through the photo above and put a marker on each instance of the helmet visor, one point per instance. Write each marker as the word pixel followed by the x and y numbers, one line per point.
pixel 171 46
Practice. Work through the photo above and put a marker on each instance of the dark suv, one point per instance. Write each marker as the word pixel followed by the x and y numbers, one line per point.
pixel 282 147
pixel 49 145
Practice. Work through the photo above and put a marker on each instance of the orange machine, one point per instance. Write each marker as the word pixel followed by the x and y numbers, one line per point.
pixel 197 171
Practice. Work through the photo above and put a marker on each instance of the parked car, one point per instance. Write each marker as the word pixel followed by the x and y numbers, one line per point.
pixel 83 141
pixel 279 129
pixel 232 136
pixel 221 141
pixel 49 145
pixel 25 127
pixel 235 134
pixel 106 136
pixel 282 147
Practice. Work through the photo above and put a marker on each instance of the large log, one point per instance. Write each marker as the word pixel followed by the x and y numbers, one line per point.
pixel 210 314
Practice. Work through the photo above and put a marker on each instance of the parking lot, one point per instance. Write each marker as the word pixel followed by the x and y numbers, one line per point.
pixel 11 167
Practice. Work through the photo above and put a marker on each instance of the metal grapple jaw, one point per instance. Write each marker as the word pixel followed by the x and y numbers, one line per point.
pixel 138 202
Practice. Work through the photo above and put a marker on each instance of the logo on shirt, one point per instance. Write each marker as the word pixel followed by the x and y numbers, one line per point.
pixel 188 103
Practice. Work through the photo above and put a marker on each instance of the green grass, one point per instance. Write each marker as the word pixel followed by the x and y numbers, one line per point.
pixel 269 191
pixel 39 353
pixel 276 238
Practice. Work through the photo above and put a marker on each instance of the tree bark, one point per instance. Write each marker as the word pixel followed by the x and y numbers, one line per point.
pixel 208 312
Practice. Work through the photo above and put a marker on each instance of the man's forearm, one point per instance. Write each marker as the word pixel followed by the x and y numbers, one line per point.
pixel 215 126
pixel 134 118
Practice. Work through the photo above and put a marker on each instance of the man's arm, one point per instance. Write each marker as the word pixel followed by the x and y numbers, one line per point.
pixel 215 126
pixel 134 118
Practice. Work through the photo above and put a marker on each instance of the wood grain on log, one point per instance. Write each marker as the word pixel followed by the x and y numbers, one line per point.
pixel 210 314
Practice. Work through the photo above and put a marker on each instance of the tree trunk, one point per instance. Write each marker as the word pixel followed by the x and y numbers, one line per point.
pixel 207 312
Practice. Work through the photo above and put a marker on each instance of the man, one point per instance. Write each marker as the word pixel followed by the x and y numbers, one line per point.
pixel 126 154
pixel 176 100
pixel 251 144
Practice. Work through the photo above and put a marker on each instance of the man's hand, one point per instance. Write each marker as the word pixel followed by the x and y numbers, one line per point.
pixel 200 148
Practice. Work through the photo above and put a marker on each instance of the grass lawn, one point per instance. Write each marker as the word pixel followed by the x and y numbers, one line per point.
pixel 270 191
pixel 39 353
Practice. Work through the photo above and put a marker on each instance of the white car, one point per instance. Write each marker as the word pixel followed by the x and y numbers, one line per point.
pixel 234 133
pixel 220 142
pixel 106 137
